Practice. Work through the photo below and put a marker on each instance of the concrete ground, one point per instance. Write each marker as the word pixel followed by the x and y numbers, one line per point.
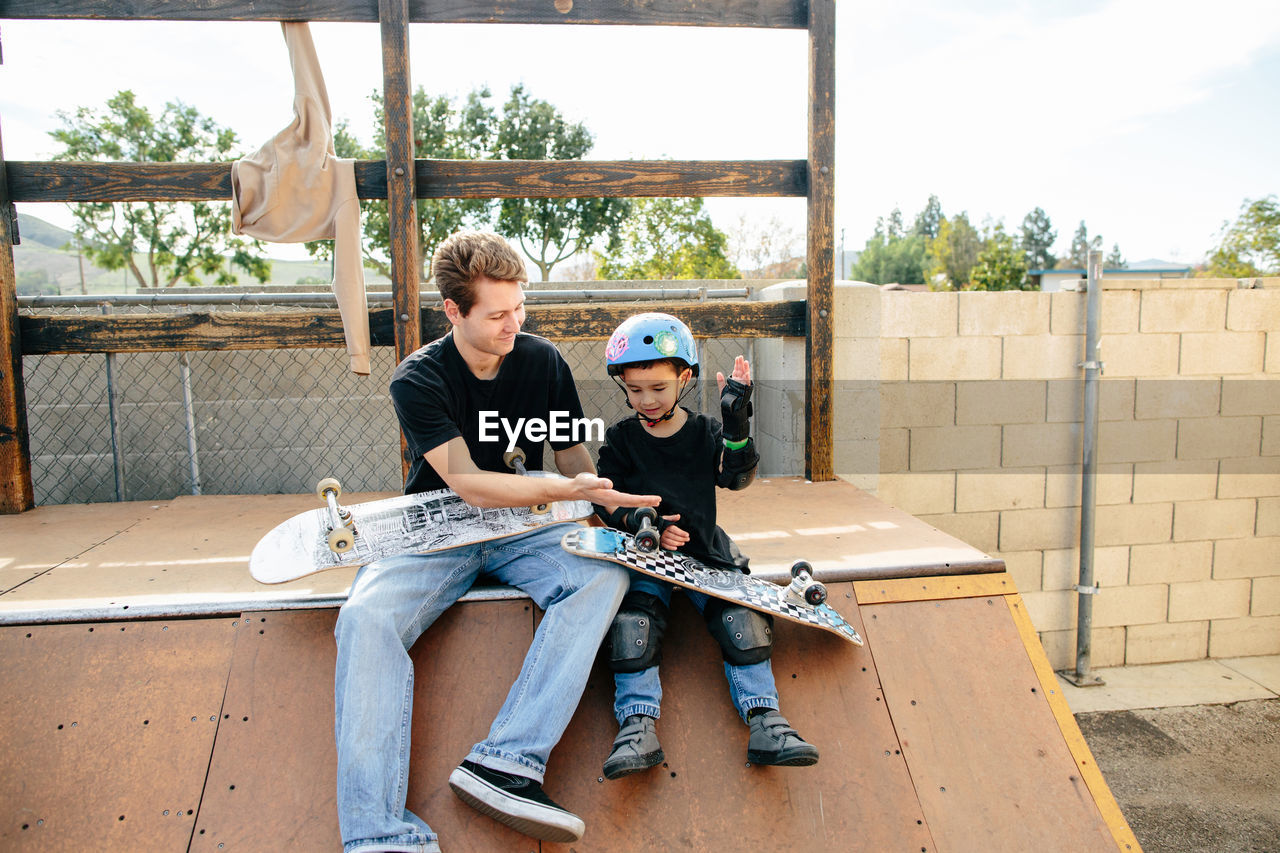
pixel 1191 751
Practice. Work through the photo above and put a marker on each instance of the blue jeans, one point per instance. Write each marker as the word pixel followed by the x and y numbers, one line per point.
pixel 391 603
pixel 750 686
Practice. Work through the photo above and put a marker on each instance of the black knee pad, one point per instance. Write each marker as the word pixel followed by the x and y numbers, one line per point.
pixel 745 635
pixel 635 638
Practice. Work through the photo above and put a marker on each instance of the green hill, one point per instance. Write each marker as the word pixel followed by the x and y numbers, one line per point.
pixel 33 230
pixel 45 264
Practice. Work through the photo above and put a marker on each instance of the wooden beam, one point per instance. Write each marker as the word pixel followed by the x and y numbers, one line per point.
pixel 819 463
pixel 246 330
pixel 721 319
pixel 41 181
pixel 400 175
pixel 605 178
pixel 54 181
pixel 782 14
pixel 16 491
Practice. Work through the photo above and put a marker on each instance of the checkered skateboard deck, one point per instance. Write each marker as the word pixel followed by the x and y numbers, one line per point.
pixel 604 543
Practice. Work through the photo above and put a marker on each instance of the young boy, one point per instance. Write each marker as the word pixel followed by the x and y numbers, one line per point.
pixel 683 456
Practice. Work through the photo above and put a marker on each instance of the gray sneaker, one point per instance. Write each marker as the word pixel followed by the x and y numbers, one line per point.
pixel 635 748
pixel 774 742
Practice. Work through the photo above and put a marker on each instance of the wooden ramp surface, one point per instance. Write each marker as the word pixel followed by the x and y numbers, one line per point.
pixel 190 555
pixel 946 732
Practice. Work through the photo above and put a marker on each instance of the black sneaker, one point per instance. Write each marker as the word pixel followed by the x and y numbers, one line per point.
pixel 517 801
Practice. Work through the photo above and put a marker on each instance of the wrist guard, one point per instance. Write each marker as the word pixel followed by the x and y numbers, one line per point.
pixel 627 519
pixel 735 410
pixel 738 467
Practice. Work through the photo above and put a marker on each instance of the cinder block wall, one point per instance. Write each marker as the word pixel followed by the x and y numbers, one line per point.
pixel 976 420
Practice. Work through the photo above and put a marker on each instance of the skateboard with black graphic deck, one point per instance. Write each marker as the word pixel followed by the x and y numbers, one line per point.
pixel 801 601
pixel 337 536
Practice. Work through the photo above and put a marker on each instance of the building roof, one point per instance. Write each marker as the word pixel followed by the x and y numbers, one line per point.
pixel 1143 269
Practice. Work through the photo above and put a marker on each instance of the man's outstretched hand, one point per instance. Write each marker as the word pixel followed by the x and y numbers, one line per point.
pixel 600 490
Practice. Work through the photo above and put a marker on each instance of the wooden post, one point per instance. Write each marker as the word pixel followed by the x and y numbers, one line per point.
pixel 16 491
pixel 402 207
pixel 819 462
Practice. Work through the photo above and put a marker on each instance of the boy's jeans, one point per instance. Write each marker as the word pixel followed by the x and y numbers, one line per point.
pixel 750 686
pixel 391 603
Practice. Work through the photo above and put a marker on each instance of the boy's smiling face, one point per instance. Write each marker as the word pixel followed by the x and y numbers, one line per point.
pixel 653 391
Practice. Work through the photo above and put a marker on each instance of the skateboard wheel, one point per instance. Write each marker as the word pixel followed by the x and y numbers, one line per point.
pixel 647 540
pixel 328 484
pixel 540 509
pixel 815 594
pixel 341 541
pixel 511 457
pixel 801 566
pixel 647 513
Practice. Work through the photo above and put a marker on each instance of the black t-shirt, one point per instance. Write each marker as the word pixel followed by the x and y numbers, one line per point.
pixel 437 398
pixel 682 468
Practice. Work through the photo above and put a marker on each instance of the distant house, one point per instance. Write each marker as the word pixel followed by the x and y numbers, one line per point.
pixel 1049 280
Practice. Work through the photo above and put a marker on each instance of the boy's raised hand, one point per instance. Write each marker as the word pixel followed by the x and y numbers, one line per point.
pixel 741 373
pixel 673 537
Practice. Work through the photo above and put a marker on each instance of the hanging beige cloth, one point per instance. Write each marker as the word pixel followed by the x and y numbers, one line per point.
pixel 295 189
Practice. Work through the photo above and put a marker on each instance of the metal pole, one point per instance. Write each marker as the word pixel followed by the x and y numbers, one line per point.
pixel 113 415
pixel 842 275
pixel 193 450
pixel 1087 588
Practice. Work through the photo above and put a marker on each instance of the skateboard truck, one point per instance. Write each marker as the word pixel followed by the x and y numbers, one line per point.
pixel 514 459
pixel 803 585
pixel 647 537
pixel 342 533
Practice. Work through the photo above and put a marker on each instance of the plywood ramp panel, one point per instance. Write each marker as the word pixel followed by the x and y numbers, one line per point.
pixel 47 536
pixel 989 761
pixel 706 796
pixel 106 732
pixel 191 550
pixel 273 774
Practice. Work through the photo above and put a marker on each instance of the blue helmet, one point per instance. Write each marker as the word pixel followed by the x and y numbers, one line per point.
pixel 650 337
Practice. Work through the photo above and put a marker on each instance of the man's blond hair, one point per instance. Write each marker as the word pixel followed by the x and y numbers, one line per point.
pixel 467 256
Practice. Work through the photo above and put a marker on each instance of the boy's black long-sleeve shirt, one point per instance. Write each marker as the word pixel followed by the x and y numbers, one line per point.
pixel 682 469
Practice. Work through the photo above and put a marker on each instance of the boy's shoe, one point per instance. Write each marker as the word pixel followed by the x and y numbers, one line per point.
pixel 635 748
pixel 517 801
pixel 774 742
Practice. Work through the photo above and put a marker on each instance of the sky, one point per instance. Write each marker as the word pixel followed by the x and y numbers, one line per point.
pixel 1151 120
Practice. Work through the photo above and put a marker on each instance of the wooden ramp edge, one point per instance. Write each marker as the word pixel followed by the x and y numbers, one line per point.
pixel 947 732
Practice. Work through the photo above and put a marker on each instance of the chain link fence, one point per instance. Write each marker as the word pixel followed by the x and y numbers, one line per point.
pixel 151 426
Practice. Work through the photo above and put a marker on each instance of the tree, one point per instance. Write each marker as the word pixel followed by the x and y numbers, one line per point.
pixel 1001 264
pixel 441 129
pixel 1081 246
pixel 550 230
pixel 892 228
pixel 1115 260
pixel 1036 240
pixel 929 220
pixel 667 238
pixel 1250 246
pixel 36 283
pixel 884 260
pixel 952 255
pixel 894 254
pixel 758 247
pixel 160 243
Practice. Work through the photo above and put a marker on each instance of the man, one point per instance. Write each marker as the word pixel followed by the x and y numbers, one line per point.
pixel 484 365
